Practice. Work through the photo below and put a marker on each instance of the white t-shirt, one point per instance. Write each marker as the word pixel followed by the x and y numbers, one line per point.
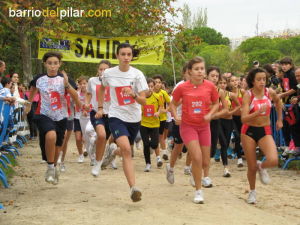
pixel 179 108
pixel 94 85
pixel 123 107
pixel 53 101
pixel 78 112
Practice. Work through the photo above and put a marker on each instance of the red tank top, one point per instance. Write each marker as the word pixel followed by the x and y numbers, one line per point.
pixel 257 103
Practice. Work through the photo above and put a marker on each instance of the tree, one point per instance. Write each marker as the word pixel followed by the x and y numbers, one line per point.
pixel 210 36
pixel 200 19
pixel 186 16
pixel 264 56
pixel 256 43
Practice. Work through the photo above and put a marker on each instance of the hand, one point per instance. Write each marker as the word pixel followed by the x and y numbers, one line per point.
pixel 177 120
pixel 86 107
pixel 207 117
pixel 279 124
pixel 66 78
pixel 128 92
pixel 156 114
pixel 294 100
pixel 99 114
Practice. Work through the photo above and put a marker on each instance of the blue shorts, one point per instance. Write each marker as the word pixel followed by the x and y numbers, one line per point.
pixel 120 128
pixel 101 121
pixel 77 126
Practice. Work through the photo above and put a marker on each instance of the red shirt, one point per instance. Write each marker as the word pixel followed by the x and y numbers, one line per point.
pixel 196 101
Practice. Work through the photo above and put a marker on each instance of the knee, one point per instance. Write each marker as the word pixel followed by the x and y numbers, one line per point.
pixel 197 158
pixel 126 152
pixel 101 136
pixel 51 136
pixel 273 161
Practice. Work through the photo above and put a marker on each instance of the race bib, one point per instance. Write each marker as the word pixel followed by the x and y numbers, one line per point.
pixel 55 101
pixel 149 110
pixel 106 93
pixel 286 84
pixel 259 103
pixel 122 98
pixel 195 106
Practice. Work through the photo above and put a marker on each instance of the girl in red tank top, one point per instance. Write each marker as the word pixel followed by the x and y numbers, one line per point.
pixel 256 130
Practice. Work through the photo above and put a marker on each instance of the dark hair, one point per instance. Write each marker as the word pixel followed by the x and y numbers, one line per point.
pixel 165 83
pixel 242 77
pixel 251 75
pixel 5 80
pixel 150 80
pixel 1 63
pixel 124 45
pixel 269 69
pixel 222 77
pixel 185 67
pixel 107 62
pixel 158 77
pixel 286 60
pixel 52 54
pixel 195 60
pixel 212 68
pixel 12 74
pixel 81 78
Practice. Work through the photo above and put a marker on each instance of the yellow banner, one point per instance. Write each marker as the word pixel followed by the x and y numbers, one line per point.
pixel 81 48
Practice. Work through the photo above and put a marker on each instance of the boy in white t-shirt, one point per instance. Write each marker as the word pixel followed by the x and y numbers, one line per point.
pixel 127 92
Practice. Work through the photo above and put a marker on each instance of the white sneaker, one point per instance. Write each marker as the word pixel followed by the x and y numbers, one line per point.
pixel 165 155
pixel 170 174
pixel 263 174
pixel 96 169
pixel 226 173
pixel 198 199
pixel 159 163
pixel 50 175
pixel 135 194
pixel 80 159
pixel 62 167
pixel 93 162
pixel 207 182
pixel 147 168
pixel 252 197
pixel 114 164
pixel 187 170
pixel 192 181
pixel 240 162
pixel 110 156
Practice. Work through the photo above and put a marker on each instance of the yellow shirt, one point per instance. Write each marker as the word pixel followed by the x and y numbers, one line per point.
pixel 164 98
pixel 151 107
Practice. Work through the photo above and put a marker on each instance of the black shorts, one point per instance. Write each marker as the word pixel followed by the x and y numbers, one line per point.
pixel 176 134
pixel 77 126
pixel 256 133
pixel 70 125
pixel 120 128
pixel 101 121
pixel 45 124
pixel 162 126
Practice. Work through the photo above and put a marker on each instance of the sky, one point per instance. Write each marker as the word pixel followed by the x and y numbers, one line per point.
pixel 238 18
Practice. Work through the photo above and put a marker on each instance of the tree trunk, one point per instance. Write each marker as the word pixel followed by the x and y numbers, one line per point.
pixel 26 56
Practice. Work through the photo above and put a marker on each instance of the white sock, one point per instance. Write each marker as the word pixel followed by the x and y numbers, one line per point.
pixel 51 166
pixel 99 162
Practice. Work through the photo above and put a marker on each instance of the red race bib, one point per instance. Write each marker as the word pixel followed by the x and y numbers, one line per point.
pixel 106 93
pixel 286 84
pixel 123 99
pixel 55 101
pixel 149 110
pixel 260 102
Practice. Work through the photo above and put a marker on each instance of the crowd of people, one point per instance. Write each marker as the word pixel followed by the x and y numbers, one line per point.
pixel 111 111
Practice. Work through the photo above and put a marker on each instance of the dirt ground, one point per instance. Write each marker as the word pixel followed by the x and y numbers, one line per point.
pixel 79 198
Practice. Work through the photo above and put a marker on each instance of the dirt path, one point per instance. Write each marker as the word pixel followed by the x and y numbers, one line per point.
pixel 79 198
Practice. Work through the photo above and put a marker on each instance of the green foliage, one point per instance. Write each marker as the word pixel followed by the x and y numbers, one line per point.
pixel 264 56
pixel 256 43
pixel 210 36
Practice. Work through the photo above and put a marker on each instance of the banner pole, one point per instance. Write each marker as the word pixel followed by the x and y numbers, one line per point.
pixel 173 66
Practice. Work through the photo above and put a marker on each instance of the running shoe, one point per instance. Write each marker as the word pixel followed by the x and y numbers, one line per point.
pixel 85 153
pixel 50 175
pixel 135 194
pixel 226 173
pixel 147 168
pixel 165 155
pixel 159 163
pixel 263 174
pixel 93 162
pixel 80 159
pixel 96 169
pixel 170 174
pixel 198 199
pixel 240 162
pixel 56 176
pixel 252 197
pixel 110 156
pixel 207 182
pixel 187 170
pixel 114 165
pixel 62 167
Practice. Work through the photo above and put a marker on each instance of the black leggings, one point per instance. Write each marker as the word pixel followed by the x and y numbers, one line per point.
pixel 237 137
pixel 147 134
pixel 214 130
pixel 224 138
pixel 286 130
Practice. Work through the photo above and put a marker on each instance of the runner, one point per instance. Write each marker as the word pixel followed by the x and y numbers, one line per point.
pixel 100 124
pixel 127 90
pixel 199 102
pixel 53 111
pixel 256 129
